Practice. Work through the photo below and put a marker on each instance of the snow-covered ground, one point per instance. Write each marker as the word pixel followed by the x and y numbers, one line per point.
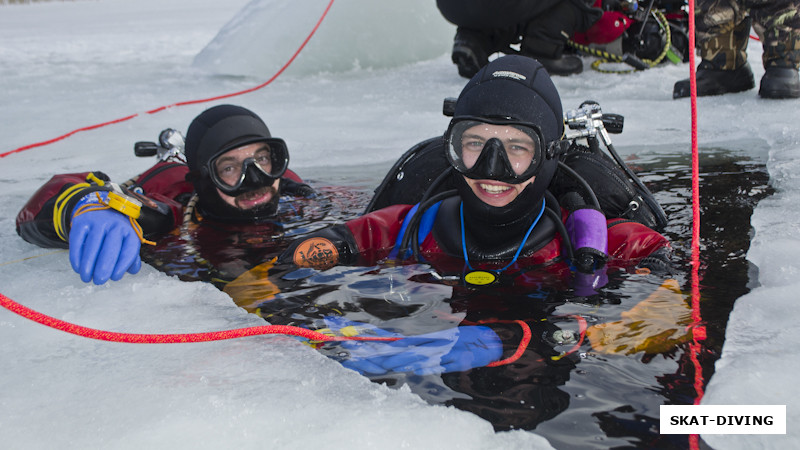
pixel 368 85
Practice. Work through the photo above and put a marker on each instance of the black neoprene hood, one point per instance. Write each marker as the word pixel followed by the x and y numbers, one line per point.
pixel 216 131
pixel 219 129
pixel 516 88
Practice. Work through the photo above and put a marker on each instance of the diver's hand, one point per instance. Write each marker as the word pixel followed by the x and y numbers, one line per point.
pixel 456 349
pixel 103 245
pixel 588 232
pixel 452 350
pixel 587 284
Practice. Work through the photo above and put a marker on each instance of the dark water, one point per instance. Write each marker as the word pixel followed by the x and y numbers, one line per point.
pixel 615 401
pixel 585 398
pixel 594 400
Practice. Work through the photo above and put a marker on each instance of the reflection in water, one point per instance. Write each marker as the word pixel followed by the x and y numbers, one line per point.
pixel 599 364
pixel 220 252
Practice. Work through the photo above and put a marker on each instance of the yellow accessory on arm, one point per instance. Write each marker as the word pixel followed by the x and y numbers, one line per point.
pixel 61 202
pixel 124 204
pixel 59 213
pixel 127 205
pixel 92 178
pixel 117 200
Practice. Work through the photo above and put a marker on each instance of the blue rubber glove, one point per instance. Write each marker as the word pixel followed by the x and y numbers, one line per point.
pixel 452 350
pixel 103 245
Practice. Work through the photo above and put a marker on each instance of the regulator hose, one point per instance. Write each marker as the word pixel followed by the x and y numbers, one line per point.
pixel 638 64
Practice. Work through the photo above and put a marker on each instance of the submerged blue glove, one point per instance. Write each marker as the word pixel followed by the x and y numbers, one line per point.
pixel 103 245
pixel 452 350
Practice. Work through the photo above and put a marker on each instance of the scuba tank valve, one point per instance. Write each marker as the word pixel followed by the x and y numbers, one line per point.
pixel 589 121
pixel 170 145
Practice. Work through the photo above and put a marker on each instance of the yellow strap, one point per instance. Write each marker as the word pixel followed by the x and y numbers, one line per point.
pixel 607 57
pixel 124 204
pixel 61 202
pixel 100 205
pixel 63 199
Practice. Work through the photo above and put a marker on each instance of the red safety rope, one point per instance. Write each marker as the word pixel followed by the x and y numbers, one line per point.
pixel 527 335
pixel 523 345
pixel 139 338
pixel 189 102
pixel 699 331
pixel 183 338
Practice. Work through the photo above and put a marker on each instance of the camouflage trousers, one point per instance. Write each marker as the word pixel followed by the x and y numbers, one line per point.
pixel 723 29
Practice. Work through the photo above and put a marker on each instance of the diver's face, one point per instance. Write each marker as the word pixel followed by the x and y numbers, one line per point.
pixel 519 148
pixel 234 158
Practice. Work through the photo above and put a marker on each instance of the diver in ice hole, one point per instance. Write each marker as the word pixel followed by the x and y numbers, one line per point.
pixel 499 225
pixel 228 194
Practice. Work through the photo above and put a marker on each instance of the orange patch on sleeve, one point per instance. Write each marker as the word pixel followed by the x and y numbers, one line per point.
pixel 318 253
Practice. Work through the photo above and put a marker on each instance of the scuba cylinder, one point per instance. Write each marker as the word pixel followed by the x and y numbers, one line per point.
pixel 641 34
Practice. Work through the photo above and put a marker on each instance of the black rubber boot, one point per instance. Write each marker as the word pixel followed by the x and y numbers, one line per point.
pixel 713 81
pixel 470 52
pixel 566 65
pixel 780 82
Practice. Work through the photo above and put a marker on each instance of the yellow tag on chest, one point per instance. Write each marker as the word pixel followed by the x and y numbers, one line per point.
pixel 480 278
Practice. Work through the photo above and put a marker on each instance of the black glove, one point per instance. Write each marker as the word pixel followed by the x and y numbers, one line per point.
pixel 291 187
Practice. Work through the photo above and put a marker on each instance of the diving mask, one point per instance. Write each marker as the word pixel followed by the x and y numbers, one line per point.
pixel 238 171
pixel 502 150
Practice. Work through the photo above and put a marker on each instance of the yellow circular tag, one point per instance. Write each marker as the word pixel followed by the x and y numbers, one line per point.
pixel 480 278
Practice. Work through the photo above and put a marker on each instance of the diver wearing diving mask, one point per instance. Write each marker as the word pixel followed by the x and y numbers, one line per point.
pixel 502 144
pixel 229 169
pixel 249 167
pixel 236 165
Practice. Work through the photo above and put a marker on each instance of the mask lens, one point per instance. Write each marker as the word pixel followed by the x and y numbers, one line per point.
pixel 468 139
pixel 230 169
